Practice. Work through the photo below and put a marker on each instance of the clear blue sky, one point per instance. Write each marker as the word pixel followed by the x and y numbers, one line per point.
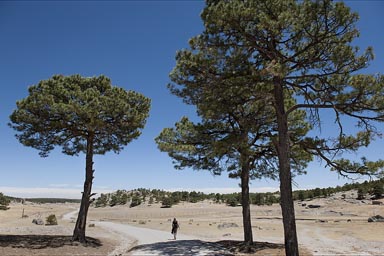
pixel 134 43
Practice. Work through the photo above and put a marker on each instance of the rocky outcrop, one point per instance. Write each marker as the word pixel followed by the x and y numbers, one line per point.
pixel 314 206
pixel 38 221
pixel 377 218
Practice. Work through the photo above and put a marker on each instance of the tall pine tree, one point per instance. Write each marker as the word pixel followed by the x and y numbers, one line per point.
pixel 301 50
pixel 238 127
pixel 86 115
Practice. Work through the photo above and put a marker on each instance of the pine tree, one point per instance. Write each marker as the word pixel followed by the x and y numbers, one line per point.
pixel 304 48
pixel 4 202
pixel 86 115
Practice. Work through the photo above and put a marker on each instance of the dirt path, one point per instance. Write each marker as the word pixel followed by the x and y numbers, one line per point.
pixel 144 241
pixel 318 239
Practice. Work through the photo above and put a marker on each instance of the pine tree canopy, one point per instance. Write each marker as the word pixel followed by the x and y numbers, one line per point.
pixel 304 49
pixel 67 110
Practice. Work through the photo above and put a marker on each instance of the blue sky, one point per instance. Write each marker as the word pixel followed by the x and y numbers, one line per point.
pixel 134 43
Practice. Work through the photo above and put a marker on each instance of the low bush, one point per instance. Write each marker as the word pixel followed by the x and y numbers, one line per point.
pixel 51 220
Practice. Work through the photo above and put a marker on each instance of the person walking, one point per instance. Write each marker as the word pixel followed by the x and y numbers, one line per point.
pixel 175 227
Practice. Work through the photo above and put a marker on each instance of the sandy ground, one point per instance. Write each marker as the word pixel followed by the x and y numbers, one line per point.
pixel 19 236
pixel 338 227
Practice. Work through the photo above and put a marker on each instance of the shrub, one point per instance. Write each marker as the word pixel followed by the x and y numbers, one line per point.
pixel 167 202
pixel 378 190
pixel 102 201
pixel 51 220
pixel 135 201
pixel 4 202
pixel 361 194
pixel 232 201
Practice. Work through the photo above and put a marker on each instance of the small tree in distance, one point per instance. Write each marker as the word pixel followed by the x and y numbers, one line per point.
pixel 378 190
pixel 86 115
pixel 167 202
pixel 4 202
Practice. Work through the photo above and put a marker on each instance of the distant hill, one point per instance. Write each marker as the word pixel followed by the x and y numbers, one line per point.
pixel 367 189
pixel 44 200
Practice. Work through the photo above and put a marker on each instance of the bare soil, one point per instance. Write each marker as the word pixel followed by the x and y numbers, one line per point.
pixel 19 236
pixel 338 227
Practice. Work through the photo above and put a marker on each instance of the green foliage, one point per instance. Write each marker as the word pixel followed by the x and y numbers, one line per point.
pixel 4 202
pixel 218 198
pixel 232 200
pixel 102 200
pixel 317 192
pixel 301 195
pixel 120 197
pixel 167 202
pixel 52 200
pixel 154 195
pixel 66 110
pixel 51 220
pixel 305 49
pixel 79 114
pixel 362 190
pixel 299 55
pixel 135 201
pixel 238 126
pixel 265 198
pixel 378 190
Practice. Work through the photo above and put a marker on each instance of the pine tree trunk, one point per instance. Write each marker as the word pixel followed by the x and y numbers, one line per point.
pixel 247 225
pixel 79 231
pixel 286 199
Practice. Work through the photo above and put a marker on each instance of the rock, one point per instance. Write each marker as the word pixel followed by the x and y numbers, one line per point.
pixel 314 206
pixel 377 202
pixel 377 218
pixel 38 221
pixel 227 225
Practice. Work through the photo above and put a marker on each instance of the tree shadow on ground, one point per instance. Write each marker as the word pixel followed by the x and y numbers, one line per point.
pixel 43 241
pixel 198 247
pixel 240 247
